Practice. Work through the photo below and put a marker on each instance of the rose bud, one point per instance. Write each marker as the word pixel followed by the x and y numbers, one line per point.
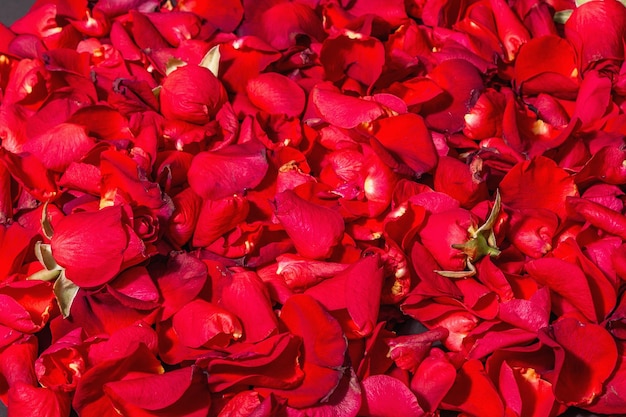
pixel 193 94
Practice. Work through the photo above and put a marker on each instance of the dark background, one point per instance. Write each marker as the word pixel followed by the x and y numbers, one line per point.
pixel 11 10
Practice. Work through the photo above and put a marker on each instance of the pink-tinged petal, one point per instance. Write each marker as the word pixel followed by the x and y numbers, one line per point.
pixel 554 72
pixel 315 230
pixel 524 186
pixel 603 218
pixel 245 295
pixel 324 348
pixel 217 217
pixel 462 84
pixel 353 55
pixel 592 42
pixel 179 280
pixel 193 94
pixel 408 139
pixel 378 390
pixel 61 145
pixel 28 400
pixel 342 110
pixel 267 365
pixel 246 165
pixel 90 245
pixel 532 314
pixel 276 94
pixel 473 392
pixel 433 379
pixel 585 356
pixel 567 280
pixel 224 15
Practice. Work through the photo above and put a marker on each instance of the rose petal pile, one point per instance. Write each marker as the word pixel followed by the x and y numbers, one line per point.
pixel 313 208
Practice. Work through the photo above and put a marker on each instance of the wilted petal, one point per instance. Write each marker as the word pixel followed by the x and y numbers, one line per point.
pixel 246 165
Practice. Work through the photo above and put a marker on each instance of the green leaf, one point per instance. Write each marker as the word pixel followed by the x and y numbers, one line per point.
pixel 562 16
pixel 211 60
pixel 65 291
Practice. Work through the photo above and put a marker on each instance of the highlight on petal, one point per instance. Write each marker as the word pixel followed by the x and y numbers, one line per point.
pixel 90 245
pixel 227 171
pixel 315 230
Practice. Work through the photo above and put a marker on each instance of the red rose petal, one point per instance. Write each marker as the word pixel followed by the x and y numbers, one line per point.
pixel 379 389
pixel 246 165
pixel 276 94
pixel 314 229
pixel 90 245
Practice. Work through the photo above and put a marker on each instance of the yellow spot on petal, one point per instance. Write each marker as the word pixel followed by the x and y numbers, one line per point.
pixel 574 73
pixel 540 128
